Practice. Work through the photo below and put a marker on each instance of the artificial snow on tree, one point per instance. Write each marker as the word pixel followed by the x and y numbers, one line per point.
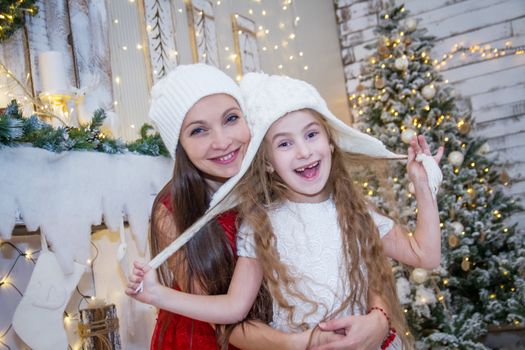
pixel 481 281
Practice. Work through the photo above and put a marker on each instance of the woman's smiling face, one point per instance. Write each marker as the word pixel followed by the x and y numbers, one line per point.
pixel 215 136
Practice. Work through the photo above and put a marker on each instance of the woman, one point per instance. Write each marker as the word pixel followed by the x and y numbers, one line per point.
pixel 197 111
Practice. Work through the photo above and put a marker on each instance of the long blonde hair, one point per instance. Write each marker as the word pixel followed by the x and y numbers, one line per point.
pixel 260 190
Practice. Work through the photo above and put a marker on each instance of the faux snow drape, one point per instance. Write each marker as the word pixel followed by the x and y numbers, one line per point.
pixel 64 194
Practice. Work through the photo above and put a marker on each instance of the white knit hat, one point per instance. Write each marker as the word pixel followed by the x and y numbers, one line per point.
pixel 174 95
pixel 266 99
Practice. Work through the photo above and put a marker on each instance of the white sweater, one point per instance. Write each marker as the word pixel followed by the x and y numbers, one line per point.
pixel 309 242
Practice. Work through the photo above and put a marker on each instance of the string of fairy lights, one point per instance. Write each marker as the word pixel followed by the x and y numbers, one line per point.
pixel 7 280
pixel 270 40
pixel 480 52
pixel 477 52
pixel 275 44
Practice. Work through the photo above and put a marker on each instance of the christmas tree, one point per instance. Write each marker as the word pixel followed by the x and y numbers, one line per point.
pixel 481 281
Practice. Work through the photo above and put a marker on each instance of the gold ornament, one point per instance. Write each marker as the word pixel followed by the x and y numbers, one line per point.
pixel 456 158
pixel 360 88
pixel 419 275
pixel 463 127
pixel 383 51
pixel 407 135
pixel 453 241
pixel 428 91
pixel 484 149
pixel 410 24
pixel 504 177
pixel 457 227
pixel 465 265
pixel 379 83
pixel 481 238
pixel 401 63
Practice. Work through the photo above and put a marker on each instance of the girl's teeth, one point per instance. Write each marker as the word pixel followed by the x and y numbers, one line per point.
pixel 313 165
pixel 227 157
pixel 308 167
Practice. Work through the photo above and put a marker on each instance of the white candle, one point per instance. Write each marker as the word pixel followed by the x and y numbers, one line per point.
pixel 4 99
pixel 52 73
pixel 4 90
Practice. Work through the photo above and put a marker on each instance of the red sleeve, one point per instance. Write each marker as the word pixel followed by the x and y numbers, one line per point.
pixel 227 220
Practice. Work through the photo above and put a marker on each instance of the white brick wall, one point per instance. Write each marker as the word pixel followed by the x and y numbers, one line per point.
pixel 494 87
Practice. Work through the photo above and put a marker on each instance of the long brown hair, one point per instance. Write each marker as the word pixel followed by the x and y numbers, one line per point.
pixel 260 190
pixel 207 261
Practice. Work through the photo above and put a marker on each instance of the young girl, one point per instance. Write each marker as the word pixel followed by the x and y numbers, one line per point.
pixel 305 227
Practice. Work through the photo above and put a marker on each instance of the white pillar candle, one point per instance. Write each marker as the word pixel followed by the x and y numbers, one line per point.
pixel 53 73
pixel 4 90
pixel 4 99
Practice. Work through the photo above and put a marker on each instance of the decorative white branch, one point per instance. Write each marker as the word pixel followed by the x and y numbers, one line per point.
pixel 161 37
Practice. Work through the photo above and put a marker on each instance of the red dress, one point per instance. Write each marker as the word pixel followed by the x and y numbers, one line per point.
pixel 173 331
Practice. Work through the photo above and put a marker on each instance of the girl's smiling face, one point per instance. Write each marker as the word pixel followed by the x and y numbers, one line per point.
pixel 299 151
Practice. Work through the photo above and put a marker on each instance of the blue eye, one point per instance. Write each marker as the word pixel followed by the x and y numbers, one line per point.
pixel 232 118
pixel 197 131
pixel 312 134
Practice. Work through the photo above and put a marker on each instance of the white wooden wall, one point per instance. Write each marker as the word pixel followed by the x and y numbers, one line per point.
pixel 495 87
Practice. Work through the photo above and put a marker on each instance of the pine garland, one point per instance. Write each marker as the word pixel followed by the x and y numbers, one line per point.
pixel 17 130
pixel 12 16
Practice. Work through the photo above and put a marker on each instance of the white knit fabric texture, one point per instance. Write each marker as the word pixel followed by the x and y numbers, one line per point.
pixel 434 174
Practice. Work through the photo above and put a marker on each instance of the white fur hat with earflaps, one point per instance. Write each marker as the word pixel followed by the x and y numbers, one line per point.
pixel 266 99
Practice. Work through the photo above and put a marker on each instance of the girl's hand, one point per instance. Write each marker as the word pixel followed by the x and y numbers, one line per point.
pixel 360 332
pixel 142 273
pixel 416 172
